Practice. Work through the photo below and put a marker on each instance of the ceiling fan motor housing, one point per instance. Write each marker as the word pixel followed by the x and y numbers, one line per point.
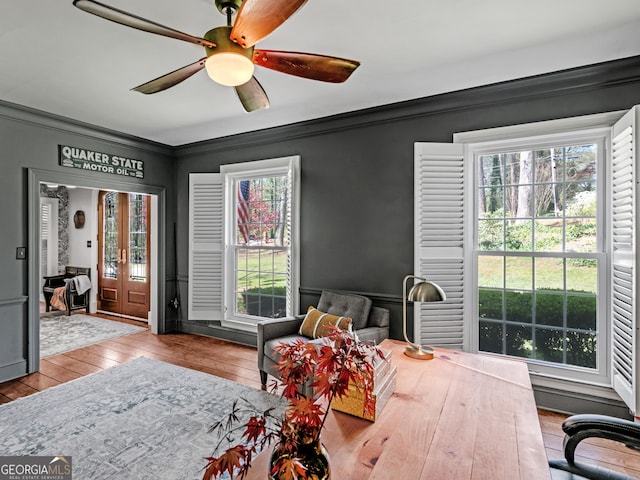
pixel 220 36
pixel 222 5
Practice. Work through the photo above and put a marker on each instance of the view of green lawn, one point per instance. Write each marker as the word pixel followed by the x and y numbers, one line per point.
pixel 549 273
pixel 523 310
pixel 263 268
pixel 261 282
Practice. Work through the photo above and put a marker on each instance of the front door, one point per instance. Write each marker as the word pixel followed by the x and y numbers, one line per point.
pixel 123 243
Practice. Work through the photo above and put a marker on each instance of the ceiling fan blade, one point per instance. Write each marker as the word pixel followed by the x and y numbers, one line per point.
pixel 306 65
pixel 130 20
pixel 258 18
pixel 252 95
pixel 170 79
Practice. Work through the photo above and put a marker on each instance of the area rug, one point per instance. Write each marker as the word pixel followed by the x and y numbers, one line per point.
pixel 144 419
pixel 61 333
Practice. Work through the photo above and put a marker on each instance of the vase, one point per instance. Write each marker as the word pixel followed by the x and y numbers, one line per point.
pixel 312 455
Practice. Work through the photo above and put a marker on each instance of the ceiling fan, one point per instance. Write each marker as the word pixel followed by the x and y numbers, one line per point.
pixel 230 53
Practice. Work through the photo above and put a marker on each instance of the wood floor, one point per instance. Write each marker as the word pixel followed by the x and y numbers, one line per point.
pixel 238 363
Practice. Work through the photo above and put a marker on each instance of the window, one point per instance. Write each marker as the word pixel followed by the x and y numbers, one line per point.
pixel 260 245
pixel 244 263
pixel 261 261
pixel 540 257
pixel 530 231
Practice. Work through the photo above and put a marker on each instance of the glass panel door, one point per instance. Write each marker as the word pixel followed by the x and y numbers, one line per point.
pixel 111 254
pixel 137 238
pixel 124 284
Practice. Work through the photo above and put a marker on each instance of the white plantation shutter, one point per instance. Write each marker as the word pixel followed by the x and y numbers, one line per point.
pixel 206 246
pixel 48 236
pixel 439 241
pixel 291 233
pixel 624 271
pixel 44 239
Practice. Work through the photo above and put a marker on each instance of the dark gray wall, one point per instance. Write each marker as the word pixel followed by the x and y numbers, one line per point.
pixel 30 140
pixel 357 182
pixel 357 172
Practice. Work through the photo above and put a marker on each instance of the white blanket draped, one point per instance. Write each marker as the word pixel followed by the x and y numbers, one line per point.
pixel 82 283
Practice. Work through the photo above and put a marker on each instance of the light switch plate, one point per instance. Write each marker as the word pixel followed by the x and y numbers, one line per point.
pixel 21 253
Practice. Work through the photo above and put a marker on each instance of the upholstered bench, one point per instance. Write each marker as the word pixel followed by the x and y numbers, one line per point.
pixel 73 299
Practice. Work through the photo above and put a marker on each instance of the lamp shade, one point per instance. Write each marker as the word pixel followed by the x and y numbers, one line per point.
pixel 426 292
pixel 229 68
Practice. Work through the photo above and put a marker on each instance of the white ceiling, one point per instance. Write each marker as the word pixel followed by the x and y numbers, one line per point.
pixel 64 61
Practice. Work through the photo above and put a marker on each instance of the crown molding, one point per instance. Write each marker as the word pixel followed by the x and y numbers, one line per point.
pixel 538 87
pixel 42 119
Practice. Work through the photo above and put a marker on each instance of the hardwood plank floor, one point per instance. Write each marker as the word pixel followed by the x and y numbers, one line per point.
pixel 238 363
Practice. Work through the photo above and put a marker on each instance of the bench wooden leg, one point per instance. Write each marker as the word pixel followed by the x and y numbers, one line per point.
pixel 47 300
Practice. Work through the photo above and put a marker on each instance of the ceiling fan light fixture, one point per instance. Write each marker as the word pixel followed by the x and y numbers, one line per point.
pixel 230 49
pixel 229 68
pixel 228 63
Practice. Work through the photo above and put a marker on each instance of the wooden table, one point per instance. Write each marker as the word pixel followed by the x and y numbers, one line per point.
pixel 458 416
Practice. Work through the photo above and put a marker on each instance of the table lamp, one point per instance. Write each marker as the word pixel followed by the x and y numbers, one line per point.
pixel 423 291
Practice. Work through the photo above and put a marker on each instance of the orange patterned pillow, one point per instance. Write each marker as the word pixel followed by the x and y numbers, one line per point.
pixel 316 323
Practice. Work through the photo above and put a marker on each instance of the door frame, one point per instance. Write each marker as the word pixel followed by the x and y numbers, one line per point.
pixel 36 176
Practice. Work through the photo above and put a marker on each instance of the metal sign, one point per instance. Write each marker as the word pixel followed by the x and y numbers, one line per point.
pixel 93 161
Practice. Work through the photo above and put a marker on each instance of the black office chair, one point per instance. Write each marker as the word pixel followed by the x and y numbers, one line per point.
pixel 579 427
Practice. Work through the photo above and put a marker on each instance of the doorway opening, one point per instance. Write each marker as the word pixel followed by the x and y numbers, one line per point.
pixel 150 249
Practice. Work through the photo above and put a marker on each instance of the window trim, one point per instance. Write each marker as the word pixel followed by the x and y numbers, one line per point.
pixel 258 169
pixel 591 127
